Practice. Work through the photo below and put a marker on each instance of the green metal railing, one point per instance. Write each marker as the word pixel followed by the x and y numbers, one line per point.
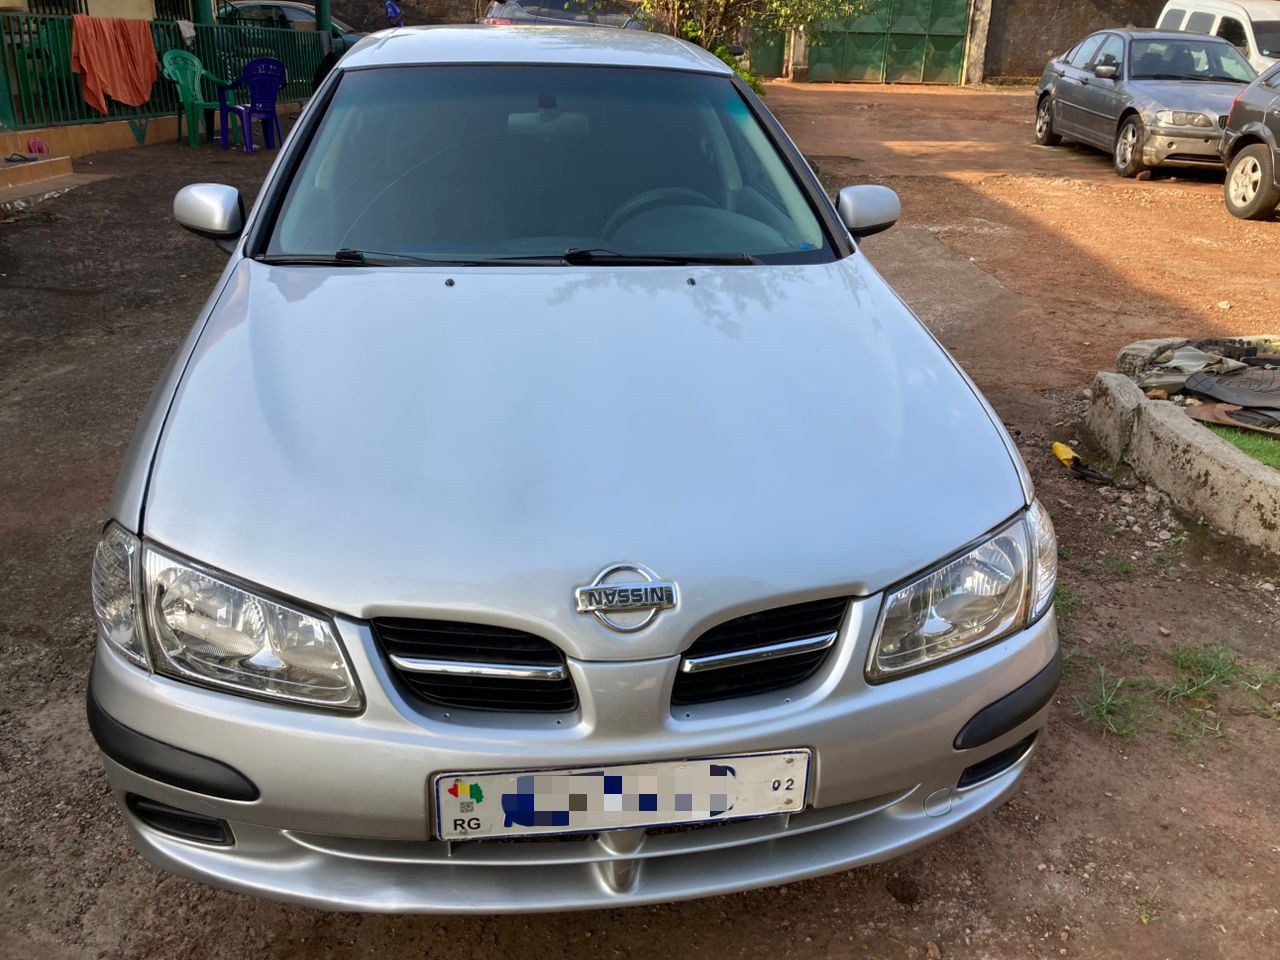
pixel 38 89
pixel 224 49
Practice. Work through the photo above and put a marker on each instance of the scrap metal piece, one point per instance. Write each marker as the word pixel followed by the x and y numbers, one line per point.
pixel 1251 387
pixel 1226 414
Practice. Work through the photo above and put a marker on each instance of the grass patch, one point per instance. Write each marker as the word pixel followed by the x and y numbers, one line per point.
pixel 1119 566
pixel 1261 447
pixel 1067 602
pixel 1185 705
pixel 1149 906
pixel 1109 704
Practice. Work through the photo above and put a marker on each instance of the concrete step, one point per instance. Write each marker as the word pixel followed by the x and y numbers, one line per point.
pixel 26 195
pixel 15 174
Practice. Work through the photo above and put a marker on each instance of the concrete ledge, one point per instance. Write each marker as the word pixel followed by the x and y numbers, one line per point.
pixel 1205 475
pixel 1202 473
pixel 45 168
pixel 1112 409
pixel 77 140
pixel 1139 357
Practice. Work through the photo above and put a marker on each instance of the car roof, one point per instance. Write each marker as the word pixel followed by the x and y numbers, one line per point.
pixel 480 43
pixel 1256 9
pixel 1151 33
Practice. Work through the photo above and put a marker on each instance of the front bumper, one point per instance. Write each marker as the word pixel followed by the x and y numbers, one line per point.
pixel 342 816
pixel 1174 146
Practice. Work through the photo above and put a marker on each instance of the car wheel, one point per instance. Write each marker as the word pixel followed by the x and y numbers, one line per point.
pixel 1128 150
pixel 1044 123
pixel 1250 191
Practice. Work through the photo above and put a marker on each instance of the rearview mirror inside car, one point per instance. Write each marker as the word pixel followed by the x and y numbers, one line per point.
pixel 867 208
pixel 212 210
pixel 1106 71
pixel 548 123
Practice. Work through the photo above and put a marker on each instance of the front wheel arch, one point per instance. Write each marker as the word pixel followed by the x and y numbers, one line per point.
pixel 1129 112
pixel 1242 142
pixel 1135 165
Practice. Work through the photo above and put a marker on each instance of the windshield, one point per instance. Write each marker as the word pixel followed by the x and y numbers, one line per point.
pixel 492 162
pixel 1195 58
pixel 1267 34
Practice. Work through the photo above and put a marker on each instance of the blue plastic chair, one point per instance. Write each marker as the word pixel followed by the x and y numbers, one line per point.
pixel 264 78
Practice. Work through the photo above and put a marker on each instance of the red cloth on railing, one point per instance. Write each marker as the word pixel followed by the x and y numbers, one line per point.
pixel 113 56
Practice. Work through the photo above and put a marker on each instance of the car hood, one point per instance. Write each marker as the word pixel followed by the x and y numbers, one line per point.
pixel 1203 96
pixel 384 442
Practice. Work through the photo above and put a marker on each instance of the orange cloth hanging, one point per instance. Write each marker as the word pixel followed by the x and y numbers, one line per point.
pixel 113 56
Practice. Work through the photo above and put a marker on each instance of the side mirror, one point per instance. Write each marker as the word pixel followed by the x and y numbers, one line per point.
pixel 212 210
pixel 867 209
pixel 1105 71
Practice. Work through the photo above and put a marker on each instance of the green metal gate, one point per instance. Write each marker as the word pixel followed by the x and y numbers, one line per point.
pixel 895 41
pixel 766 53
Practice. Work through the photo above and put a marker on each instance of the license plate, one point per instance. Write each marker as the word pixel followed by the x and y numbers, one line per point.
pixel 521 803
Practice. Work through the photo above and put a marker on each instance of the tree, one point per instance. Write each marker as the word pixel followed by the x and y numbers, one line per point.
pixel 714 23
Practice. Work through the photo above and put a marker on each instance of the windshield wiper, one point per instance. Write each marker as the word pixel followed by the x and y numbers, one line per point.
pixel 577 256
pixel 582 256
pixel 348 257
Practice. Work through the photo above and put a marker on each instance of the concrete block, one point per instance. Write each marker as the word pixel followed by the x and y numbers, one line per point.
pixel 1136 359
pixel 1112 407
pixel 1205 475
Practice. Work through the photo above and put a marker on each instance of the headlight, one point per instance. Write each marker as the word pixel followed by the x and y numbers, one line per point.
pixel 1180 118
pixel 1044 550
pixel 115 593
pixel 998 587
pixel 209 630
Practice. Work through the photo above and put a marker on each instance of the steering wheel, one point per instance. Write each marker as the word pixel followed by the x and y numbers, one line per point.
pixel 648 200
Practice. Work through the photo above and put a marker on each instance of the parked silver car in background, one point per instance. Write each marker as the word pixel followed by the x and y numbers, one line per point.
pixel 1148 97
pixel 487 548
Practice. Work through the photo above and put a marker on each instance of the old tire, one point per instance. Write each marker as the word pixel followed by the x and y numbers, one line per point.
pixel 1044 123
pixel 1250 191
pixel 1127 155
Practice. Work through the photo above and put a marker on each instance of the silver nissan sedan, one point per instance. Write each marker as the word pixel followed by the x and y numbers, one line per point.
pixel 552 508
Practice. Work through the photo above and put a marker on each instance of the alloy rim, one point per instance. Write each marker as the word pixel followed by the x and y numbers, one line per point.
pixel 1128 140
pixel 1246 178
pixel 1042 119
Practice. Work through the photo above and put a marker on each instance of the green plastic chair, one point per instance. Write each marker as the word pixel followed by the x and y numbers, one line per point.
pixel 186 70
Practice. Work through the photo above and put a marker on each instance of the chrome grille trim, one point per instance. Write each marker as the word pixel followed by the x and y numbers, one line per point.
pixel 458 668
pixel 718 661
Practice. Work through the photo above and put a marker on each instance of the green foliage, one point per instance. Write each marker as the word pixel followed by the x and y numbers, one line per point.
pixel 749 78
pixel 711 23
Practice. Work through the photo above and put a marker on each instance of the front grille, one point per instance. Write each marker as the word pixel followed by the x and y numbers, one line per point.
pixel 761 668
pixel 439 649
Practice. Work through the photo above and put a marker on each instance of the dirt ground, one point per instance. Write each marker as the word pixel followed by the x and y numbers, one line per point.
pixel 1149 825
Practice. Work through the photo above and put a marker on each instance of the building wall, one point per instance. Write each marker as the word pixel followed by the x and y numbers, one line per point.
pixel 128 9
pixel 369 14
pixel 1024 34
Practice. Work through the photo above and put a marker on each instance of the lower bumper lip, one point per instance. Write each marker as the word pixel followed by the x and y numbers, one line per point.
pixel 436 877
